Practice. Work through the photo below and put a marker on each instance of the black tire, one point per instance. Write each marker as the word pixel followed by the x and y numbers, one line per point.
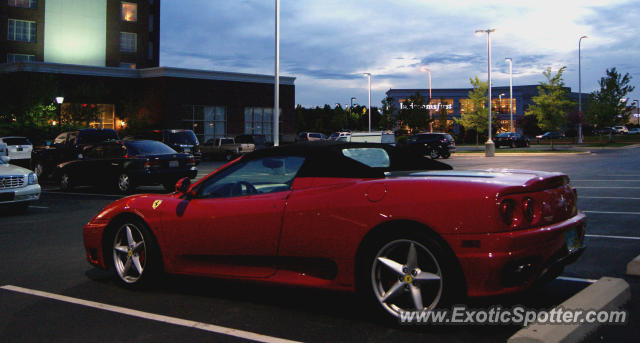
pixel 125 184
pixel 433 153
pixel 372 275
pixel 121 254
pixel 66 182
pixel 446 154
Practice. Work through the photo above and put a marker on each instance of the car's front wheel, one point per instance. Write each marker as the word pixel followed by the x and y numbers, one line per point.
pixel 408 273
pixel 135 255
pixel 433 153
pixel 38 169
pixel 66 184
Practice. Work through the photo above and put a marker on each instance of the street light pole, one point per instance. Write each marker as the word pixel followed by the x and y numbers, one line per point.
pixel 351 104
pixel 368 75
pixel 490 147
pixel 500 103
pixel 511 127
pixel 425 69
pixel 60 100
pixel 276 100
pixel 580 90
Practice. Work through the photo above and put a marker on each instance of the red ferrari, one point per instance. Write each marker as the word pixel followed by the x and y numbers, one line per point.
pixel 404 231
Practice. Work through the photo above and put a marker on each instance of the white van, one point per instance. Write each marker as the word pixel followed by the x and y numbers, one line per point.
pixel 385 137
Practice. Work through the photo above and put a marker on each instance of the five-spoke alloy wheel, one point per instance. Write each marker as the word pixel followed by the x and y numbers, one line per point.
pixel 129 253
pixel 406 276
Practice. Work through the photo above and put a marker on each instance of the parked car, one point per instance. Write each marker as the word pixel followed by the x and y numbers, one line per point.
pixel 310 137
pixel 182 141
pixel 386 137
pixel 550 135
pixel 259 141
pixel 366 218
pixel 342 136
pixel 432 144
pixel 511 139
pixel 634 131
pixel 18 186
pixel 19 149
pixel 66 146
pixel 604 131
pixel 124 165
pixel 621 129
pixel 225 148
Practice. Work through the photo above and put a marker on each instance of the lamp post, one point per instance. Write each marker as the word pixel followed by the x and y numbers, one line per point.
pixel 276 100
pixel 428 71
pixel 580 90
pixel 489 146
pixel 59 101
pixel 500 103
pixel 351 104
pixel 368 75
pixel 511 128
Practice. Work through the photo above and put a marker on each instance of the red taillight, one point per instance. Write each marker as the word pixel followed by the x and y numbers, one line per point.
pixel 528 209
pixel 152 164
pixel 506 211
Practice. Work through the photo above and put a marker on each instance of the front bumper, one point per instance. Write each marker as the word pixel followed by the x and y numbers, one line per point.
pixel 22 194
pixel 505 262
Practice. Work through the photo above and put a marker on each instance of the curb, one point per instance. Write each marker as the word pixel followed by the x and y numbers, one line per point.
pixel 633 267
pixel 606 294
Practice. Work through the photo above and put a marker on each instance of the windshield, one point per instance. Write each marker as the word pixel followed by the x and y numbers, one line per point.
pixel 148 148
pixel 16 141
pixel 227 141
pixel 182 137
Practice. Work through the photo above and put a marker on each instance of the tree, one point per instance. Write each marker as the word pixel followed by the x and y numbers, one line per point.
pixel 414 113
pixel 386 121
pixel 552 103
pixel 605 107
pixel 477 116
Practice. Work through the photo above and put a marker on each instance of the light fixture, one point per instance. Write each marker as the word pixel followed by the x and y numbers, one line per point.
pixel 60 100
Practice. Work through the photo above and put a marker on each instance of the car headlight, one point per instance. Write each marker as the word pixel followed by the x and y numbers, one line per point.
pixel 33 179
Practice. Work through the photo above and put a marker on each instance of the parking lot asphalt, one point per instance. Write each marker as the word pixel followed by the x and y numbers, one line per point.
pixel 42 250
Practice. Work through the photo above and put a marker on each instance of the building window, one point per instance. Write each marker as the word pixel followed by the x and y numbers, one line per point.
pixel 128 42
pixel 150 22
pixel 24 3
pixel 127 65
pixel 207 122
pixel 259 121
pixel 17 58
pixel 502 107
pixel 22 31
pixel 129 11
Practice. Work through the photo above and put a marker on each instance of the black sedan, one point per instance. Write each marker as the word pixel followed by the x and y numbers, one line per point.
pixel 126 165
pixel 511 139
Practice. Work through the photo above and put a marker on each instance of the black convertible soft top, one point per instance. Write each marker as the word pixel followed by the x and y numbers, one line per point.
pixel 325 159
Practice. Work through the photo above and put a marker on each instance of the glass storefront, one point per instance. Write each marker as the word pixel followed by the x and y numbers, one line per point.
pixel 259 121
pixel 206 121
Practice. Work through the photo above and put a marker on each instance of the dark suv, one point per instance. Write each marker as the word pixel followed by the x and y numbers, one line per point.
pixel 67 146
pixel 434 144
pixel 183 141
pixel 511 139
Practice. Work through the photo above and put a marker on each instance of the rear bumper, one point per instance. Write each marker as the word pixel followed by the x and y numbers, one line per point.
pixel 505 262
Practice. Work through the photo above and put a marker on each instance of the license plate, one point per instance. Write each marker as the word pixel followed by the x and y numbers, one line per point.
pixel 173 164
pixel 19 149
pixel 573 240
pixel 7 196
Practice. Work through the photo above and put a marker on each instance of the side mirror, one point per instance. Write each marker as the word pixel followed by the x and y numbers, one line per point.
pixel 182 186
pixel 5 159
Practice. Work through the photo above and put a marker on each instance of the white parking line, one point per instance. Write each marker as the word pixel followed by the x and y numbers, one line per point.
pixel 619 198
pixel 613 237
pixel 33 206
pixel 582 187
pixel 151 316
pixel 576 279
pixel 607 212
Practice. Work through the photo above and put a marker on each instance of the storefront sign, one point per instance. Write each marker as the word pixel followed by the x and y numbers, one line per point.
pixel 436 107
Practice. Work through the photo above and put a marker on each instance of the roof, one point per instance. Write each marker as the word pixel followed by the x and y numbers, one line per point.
pixel 325 159
pixel 56 68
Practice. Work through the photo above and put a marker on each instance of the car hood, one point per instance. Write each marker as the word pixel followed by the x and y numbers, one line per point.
pixel 10 169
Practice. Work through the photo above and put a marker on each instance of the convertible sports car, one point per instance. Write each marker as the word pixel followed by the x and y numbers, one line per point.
pixel 404 231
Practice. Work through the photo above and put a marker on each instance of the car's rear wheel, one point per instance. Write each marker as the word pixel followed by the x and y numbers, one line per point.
pixel 125 184
pixel 136 259
pixel 66 184
pixel 407 272
pixel 446 154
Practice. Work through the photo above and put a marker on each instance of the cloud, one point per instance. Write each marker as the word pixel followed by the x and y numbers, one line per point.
pixel 328 44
